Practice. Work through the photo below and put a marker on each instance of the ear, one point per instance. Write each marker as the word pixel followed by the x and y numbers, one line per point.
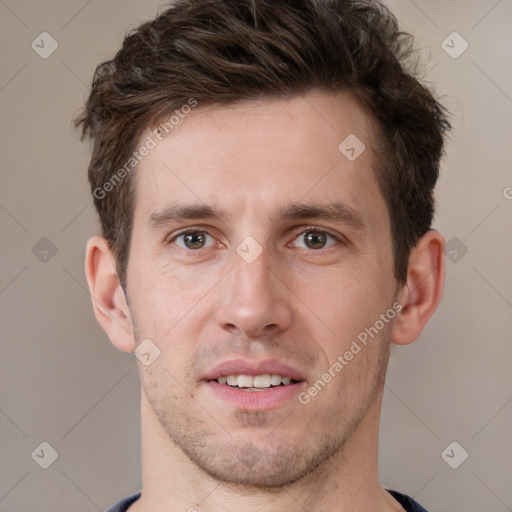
pixel 108 299
pixel 423 290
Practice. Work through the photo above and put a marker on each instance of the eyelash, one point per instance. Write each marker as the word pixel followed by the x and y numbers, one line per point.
pixel 321 231
pixel 303 229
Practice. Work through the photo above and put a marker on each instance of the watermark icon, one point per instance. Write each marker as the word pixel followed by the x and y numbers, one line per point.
pixel 44 45
pixel 351 147
pixel 144 149
pixel 249 249
pixel 454 45
pixel 44 250
pixel 454 455
pixel 45 455
pixel 249 455
pixel 507 192
pixel 355 348
pixel 455 249
pixel 146 352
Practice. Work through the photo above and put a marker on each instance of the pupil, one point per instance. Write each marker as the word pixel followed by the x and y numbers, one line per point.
pixel 194 240
pixel 315 240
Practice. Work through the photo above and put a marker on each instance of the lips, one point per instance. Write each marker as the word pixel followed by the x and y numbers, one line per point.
pixel 253 385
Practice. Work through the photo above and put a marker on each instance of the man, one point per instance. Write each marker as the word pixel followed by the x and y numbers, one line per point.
pixel 264 175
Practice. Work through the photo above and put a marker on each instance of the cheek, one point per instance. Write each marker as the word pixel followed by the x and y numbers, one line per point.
pixel 160 276
pixel 348 285
pixel 343 304
pixel 162 303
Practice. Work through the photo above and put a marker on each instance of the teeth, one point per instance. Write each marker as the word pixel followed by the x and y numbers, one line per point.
pixel 245 381
pixel 258 381
pixel 275 380
pixel 261 381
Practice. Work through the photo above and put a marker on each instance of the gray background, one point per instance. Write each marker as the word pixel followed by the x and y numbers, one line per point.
pixel 63 383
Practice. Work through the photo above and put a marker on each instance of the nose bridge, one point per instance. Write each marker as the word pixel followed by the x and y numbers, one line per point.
pixel 251 281
pixel 253 298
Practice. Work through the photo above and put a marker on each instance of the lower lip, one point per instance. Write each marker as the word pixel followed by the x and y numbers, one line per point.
pixel 270 398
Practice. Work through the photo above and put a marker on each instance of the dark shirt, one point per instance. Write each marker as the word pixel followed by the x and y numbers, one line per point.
pixel 408 503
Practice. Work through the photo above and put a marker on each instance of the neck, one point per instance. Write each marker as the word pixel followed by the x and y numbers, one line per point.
pixel 347 481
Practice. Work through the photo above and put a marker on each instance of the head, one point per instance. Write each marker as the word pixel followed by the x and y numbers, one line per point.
pixel 227 117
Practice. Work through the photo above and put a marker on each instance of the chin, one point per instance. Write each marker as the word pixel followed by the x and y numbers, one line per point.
pixel 250 465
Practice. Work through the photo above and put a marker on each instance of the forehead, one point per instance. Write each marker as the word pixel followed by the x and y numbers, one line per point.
pixel 248 156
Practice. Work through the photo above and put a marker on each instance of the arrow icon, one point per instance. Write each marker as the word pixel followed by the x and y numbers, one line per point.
pixel 351 147
pixel 454 45
pixel 454 455
pixel 44 45
pixel 455 249
pixel 146 352
pixel 249 249
pixel 44 250
pixel 44 455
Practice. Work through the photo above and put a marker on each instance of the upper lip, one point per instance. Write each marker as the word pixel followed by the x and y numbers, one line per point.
pixel 241 367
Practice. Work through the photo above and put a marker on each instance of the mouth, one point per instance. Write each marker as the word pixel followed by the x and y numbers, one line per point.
pixel 254 385
pixel 255 382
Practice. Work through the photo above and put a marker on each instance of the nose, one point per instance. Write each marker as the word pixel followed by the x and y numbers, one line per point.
pixel 254 302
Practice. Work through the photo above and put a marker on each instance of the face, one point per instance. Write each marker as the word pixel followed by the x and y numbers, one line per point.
pixel 259 254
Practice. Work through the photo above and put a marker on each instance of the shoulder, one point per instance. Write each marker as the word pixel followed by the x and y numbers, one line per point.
pixel 408 503
pixel 122 506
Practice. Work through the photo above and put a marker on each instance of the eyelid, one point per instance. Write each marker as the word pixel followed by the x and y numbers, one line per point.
pixel 171 237
pixel 320 229
pixel 296 232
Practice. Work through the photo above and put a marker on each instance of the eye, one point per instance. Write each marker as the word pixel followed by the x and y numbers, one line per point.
pixel 315 239
pixel 193 240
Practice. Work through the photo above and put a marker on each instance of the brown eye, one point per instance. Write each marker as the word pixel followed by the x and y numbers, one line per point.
pixel 315 240
pixel 194 240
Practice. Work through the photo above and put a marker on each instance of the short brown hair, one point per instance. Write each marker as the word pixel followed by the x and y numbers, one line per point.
pixel 219 52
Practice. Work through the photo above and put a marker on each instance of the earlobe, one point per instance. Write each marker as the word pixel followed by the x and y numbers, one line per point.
pixel 108 299
pixel 422 292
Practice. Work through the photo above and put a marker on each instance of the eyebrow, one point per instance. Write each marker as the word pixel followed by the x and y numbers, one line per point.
pixel 334 211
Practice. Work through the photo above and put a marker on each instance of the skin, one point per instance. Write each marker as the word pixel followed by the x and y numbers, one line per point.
pixel 298 302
